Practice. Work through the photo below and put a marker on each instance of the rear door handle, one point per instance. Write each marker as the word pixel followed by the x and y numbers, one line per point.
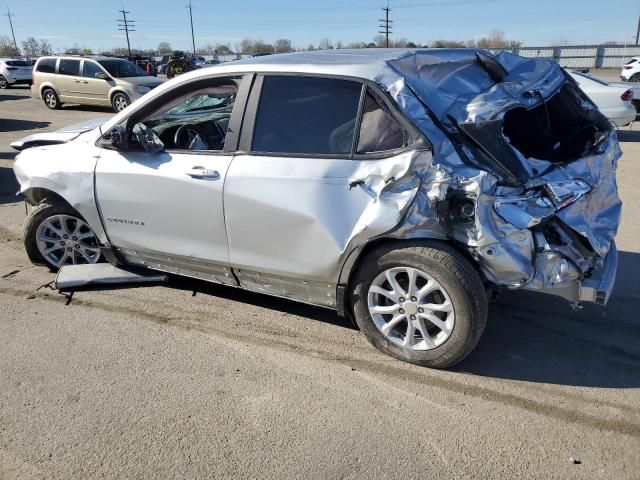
pixel 201 172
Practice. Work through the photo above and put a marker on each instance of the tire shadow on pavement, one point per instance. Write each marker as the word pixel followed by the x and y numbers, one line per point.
pixel 539 338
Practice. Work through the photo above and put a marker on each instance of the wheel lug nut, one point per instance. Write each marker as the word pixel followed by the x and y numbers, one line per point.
pixel 65 236
pixel 77 246
pixel 63 243
pixel 413 317
pixel 413 299
pixel 401 311
pixel 401 299
pixel 69 249
pixel 75 239
pixel 421 310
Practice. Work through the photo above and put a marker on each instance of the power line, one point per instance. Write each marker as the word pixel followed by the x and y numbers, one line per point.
pixel 386 24
pixel 9 15
pixel 193 40
pixel 126 25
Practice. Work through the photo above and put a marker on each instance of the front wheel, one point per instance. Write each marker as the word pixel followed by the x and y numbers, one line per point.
pixel 3 82
pixel 420 302
pixel 635 77
pixel 119 102
pixel 56 235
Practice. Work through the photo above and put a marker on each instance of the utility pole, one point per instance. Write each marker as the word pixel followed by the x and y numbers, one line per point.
pixel 15 44
pixel 193 40
pixel 125 25
pixel 638 32
pixel 386 24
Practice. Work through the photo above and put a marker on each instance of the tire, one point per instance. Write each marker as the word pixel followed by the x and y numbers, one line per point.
pixel 635 77
pixel 3 83
pixel 120 101
pixel 456 278
pixel 51 99
pixel 35 228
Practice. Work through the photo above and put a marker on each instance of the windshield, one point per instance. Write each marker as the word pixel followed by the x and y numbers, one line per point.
pixel 18 63
pixel 200 103
pixel 122 68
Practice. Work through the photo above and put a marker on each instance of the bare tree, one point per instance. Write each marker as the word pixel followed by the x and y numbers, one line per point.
pixel 310 47
pixel 495 39
pixel 223 49
pixel 282 45
pixel 31 47
pixel 164 48
pixel 339 44
pixel 45 47
pixel 7 48
pixel 325 44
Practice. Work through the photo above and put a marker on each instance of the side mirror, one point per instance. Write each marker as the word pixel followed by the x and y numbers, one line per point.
pixel 101 75
pixel 116 137
pixel 148 138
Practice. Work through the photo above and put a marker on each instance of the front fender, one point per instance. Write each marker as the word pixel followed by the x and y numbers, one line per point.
pixel 66 170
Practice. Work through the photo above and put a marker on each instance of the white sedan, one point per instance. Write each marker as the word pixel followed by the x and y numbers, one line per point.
pixel 614 101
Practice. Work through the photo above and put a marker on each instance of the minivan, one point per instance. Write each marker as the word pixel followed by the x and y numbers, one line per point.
pixel 96 80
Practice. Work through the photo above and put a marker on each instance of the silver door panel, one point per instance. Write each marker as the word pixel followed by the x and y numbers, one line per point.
pixel 298 217
pixel 152 202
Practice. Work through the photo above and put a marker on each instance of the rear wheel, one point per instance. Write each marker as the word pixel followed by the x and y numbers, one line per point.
pixel 3 82
pixel 56 235
pixel 119 102
pixel 421 302
pixel 635 77
pixel 50 99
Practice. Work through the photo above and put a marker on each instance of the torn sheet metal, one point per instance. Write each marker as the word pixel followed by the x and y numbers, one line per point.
pixel 439 91
pixel 74 277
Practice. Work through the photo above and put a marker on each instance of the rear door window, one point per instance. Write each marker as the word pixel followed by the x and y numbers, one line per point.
pixel 69 67
pixel 379 131
pixel 306 115
pixel 47 65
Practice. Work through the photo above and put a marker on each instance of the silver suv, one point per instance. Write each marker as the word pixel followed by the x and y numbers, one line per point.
pixel 14 71
pixel 399 187
pixel 96 80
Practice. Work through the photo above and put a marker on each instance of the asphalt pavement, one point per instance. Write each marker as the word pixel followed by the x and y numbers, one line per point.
pixel 193 380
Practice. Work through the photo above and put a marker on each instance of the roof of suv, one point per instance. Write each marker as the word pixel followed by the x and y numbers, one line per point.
pixel 364 62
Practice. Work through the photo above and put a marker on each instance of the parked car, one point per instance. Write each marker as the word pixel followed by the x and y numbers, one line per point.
pixel 14 71
pixel 199 61
pixel 631 70
pixel 635 88
pixel 395 186
pixel 614 101
pixel 95 80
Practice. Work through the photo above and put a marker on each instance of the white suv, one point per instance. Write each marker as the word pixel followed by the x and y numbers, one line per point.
pixel 631 70
pixel 14 72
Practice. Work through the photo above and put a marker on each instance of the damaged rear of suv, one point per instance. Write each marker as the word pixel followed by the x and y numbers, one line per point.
pixel 395 185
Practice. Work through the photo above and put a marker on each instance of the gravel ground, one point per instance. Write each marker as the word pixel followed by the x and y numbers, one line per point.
pixel 158 383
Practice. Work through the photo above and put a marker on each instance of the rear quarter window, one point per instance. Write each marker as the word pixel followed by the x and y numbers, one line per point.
pixel 46 65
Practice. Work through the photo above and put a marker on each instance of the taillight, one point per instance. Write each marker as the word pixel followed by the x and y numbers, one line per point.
pixel 627 96
pixel 627 67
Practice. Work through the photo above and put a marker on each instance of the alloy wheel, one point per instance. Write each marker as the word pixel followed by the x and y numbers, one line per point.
pixel 50 99
pixel 120 103
pixel 411 308
pixel 3 82
pixel 65 239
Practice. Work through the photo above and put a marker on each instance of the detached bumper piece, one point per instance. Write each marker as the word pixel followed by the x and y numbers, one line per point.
pixel 598 287
pixel 72 278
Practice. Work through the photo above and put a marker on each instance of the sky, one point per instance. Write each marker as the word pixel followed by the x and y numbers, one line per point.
pixel 92 24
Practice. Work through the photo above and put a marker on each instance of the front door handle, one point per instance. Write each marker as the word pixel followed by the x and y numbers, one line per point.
pixel 201 172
